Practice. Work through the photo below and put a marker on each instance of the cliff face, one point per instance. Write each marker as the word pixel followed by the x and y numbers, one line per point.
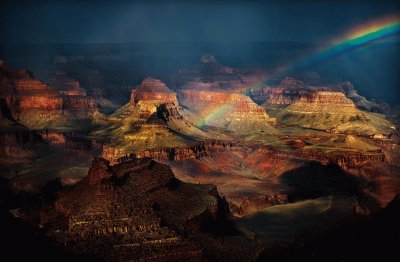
pixel 324 101
pixel 206 148
pixel 285 93
pixel 281 96
pixel 333 112
pixel 137 207
pixel 152 119
pixel 152 89
pixel 290 89
pixel 361 102
pixel 257 175
pixel 39 106
pixel 231 111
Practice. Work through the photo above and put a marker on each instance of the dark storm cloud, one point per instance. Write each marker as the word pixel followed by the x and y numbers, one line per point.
pixel 234 23
pixel 154 21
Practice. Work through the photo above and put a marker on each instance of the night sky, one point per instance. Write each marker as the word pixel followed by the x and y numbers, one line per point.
pixel 154 21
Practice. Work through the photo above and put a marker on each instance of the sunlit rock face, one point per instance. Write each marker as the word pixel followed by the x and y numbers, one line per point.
pixel 285 93
pixel 153 119
pixel 333 112
pixel 323 100
pixel 36 105
pixel 153 96
pixel 230 111
pixel 27 98
pixel 152 89
pixel 290 90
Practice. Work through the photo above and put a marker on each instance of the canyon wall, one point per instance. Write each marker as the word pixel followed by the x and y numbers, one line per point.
pixel 209 148
pixel 333 112
pixel 231 111
pixel 152 89
pixel 38 106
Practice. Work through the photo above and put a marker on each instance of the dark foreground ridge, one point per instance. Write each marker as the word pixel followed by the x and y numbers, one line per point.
pixel 138 210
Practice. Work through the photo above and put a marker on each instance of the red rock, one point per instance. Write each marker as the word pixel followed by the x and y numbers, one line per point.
pixel 138 207
pixel 152 89
pixel 231 111
pixel 36 105
pixel 336 99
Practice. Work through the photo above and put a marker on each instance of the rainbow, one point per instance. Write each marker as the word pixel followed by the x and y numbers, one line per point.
pixel 213 114
pixel 359 36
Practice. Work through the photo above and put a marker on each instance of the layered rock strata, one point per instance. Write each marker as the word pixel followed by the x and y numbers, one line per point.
pixel 135 210
pixel 333 112
pixel 153 119
pixel 230 111
pixel 38 106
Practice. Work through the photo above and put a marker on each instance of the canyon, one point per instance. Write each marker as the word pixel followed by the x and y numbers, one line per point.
pixel 185 167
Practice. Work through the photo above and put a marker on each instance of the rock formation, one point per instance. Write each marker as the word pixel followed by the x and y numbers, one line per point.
pixel 290 89
pixel 136 210
pixel 360 101
pixel 152 89
pixel 38 106
pixel 333 112
pixel 209 74
pixel 152 119
pixel 230 111
pixel 284 94
pixel 95 85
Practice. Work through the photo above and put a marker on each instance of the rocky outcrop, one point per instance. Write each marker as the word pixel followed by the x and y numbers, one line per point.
pixel 290 89
pixel 153 119
pixel 230 111
pixel 333 112
pixel 324 100
pixel 360 101
pixel 135 210
pixel 152 89
pixel 38 106
pixel 343 159
pixel 285 93
pixel 281 96
pixel 207 148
